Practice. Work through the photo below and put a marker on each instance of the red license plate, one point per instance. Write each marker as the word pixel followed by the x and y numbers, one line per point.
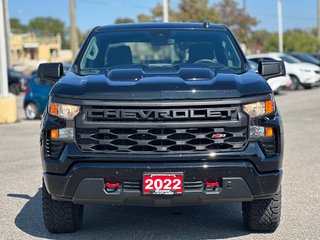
pixel 163 183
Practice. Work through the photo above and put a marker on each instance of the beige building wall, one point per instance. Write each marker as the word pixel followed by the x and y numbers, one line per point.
pixel 27 47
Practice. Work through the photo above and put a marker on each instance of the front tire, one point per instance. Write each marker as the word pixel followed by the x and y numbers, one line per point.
pixel 262 215
pixel 60 216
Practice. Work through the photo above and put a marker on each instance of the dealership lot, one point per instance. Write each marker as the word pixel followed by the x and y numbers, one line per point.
pixel 20 196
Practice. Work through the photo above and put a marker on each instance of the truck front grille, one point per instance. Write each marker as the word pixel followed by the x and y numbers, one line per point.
pixel 168 140
pixel 167 128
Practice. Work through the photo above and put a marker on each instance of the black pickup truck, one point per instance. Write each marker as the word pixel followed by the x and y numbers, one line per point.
pixel 161 114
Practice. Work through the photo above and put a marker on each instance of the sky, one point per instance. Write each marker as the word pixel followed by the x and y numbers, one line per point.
pixel 91 13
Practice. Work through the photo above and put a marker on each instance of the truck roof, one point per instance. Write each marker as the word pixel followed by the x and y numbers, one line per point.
pixel 160 25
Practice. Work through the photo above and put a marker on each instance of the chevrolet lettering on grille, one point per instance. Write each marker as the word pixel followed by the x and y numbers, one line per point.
pixel 158 114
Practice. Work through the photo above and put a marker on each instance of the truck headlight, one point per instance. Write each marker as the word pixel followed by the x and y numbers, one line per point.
pixel 62 134
pixel 65 111
pixel 259 108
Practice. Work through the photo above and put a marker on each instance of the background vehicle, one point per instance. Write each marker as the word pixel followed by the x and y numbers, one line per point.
pixel 277 83
pixel 305 57
pixel 36 98
pixel 316 55
pixel 37 94
pixel 302 74
pixel 14 81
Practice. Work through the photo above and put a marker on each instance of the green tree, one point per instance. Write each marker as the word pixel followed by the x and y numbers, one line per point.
pixel 156 15
pixel 188 11
pixel 123 20
pixel 271 43
pixel 196 11
pixel 258 40
pixel 144 18
pixel 260 36
pixel 232 15
pixel 298 40
pixel 294 41
pixel 47 26
pixel 17 26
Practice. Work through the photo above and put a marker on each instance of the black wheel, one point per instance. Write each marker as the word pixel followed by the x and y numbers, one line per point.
pixel 14 89
pixel 295 83
pixel 59 216
pixel 262 215
pixel 32 111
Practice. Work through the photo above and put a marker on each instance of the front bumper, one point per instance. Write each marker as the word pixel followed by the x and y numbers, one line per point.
pixel 85 183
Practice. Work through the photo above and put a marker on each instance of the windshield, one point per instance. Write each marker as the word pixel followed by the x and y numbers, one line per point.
pixel 307 58
pixel 289 59
pixel 161 48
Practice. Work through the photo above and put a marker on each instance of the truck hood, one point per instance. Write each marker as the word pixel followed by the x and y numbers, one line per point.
pixel 137 84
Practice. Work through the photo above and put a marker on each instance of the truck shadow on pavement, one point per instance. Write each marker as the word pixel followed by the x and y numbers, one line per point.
pixel 129 222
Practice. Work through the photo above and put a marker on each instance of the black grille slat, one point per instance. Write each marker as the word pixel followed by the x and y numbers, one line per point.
pixel 173 140
pixel 132 185
pixel 192 186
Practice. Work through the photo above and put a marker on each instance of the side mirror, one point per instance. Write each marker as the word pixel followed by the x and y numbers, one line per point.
pixel 271 69
pixel 50 71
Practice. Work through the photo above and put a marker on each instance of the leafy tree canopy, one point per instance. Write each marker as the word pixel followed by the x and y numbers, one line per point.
pixel 124 20
pixel 17 26
pixel 227 12
pixel 294 41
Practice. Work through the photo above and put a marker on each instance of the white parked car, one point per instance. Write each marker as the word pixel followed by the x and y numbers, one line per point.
pixel 302 74
pixel 276 83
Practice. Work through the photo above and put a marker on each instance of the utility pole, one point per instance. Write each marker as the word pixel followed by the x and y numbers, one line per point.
pixel 244 9
pixel 8 104
pixel 319 20
pixel 3 53
pixel 244 5
pixel 280 27
pixel 165 11
pixel 8 31
pixel 73 29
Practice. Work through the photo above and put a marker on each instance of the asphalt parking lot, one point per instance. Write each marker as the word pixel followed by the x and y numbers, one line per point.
pixel 20 196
